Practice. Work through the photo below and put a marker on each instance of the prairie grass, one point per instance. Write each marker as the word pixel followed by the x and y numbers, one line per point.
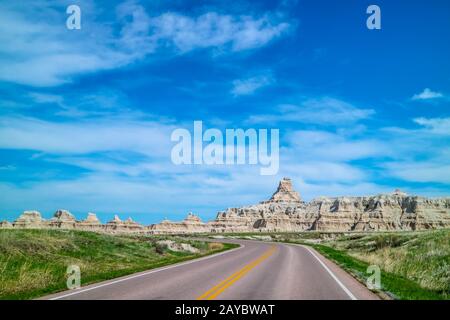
pixel 423 257
pixel 34 262
pixel 414 265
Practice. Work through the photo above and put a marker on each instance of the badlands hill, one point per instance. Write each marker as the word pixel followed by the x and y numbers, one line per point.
pixel 283 212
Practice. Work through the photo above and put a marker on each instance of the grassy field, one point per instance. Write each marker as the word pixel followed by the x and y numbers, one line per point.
pixel 415 265
pixel 33 263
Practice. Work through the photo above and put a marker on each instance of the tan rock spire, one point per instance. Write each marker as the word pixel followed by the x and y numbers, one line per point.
pixel 400 193
pixel 192 217
pixel 91 218
pixel 285 192
pixel 29 219
pixel 63 215
pixel 62 219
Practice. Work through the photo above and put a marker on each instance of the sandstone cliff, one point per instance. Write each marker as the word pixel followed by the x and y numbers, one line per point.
pixel 191 224
pixel 63 219
pixel 286 212
pixel 283 212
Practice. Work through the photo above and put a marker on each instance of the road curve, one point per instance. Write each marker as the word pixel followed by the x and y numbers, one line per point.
pixel 256 270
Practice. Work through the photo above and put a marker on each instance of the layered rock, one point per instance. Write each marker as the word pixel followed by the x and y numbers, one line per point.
pixel 191 224
pixel 91 223
pixel 29 220
pixel 285 212
pixel 62 219
pixel 132 226
pixel 5 225
pixel 285 193
pixel 118 226
pixel 114 225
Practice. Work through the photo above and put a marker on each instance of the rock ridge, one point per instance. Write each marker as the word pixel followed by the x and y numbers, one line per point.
pixel 283 212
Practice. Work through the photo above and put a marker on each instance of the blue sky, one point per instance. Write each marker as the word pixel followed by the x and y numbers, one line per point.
pixel 86 115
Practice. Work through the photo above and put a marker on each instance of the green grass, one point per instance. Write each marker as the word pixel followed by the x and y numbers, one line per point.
pixel 33 263
pixel 395 285
pixel 414 265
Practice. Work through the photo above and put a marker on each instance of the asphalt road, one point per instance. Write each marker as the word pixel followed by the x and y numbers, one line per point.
pixel 256 270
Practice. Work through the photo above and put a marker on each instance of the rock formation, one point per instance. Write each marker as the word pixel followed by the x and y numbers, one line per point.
pixel 191 224
pixel 91 223
pixel 283 212
pixel 285 192
pixel 177 247
pixel 118 226
pixel 286 212
pixel 5 224
pixel 29 219
pixel 62 219
pixel 114 224
pixel 132 226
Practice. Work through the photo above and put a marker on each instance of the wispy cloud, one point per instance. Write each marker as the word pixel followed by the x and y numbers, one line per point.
pixel 435 125
pixel 325 111
pixel 421 171
pixel 128 161
pixel 427 94
pixel 313 145
pixel 43 98
pixel 421 154
pixel 216 30
pixel 250 85
pixel 37 53
pixel 103 142
pixel 85 136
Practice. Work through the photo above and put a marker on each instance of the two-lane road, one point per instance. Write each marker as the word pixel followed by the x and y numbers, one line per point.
pixel 256 270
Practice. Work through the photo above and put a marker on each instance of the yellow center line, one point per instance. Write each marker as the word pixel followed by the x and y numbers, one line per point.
pixel 220 287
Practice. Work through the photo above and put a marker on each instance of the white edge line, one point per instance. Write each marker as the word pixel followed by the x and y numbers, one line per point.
pixel 347 291
pixel 146 273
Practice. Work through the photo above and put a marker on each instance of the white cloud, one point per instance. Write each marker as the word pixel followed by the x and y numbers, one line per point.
pixel 216 30
pixel 46 98
pixel 435 125
pixel 325 145
pixel 145 198
pixel 38 50
pixel 115 183
pixel 326 111
pixel 102 102
pixel 420 154
pixel 421 171
pixel 427 94
pixel 319 162
pixel 250 85
pixel 85 136
pixel 323 170
pixel 324 157
pixel 195 191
